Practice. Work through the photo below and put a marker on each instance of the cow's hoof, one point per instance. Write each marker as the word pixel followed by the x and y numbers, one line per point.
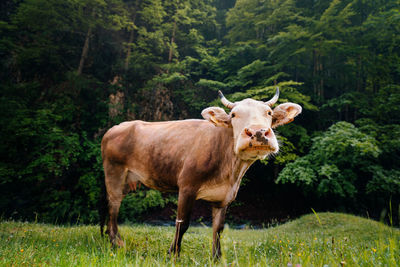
pixel 173 253
pixel 216 258
pixel 118 243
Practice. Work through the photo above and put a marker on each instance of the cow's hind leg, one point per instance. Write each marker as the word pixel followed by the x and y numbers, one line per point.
pixel 115 185
pixel 218 215
pixel 186 200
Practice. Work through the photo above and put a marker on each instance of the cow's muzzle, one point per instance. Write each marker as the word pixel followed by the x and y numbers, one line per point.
pixel 258 139
pixel 260 135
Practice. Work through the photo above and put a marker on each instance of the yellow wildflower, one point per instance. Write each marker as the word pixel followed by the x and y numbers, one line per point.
pixel 22 250
pixel 373 249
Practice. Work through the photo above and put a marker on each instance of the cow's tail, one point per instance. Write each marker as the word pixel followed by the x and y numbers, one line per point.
pixel 103 207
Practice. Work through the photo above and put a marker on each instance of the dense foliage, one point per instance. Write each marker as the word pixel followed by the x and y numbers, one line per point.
pixel 71 69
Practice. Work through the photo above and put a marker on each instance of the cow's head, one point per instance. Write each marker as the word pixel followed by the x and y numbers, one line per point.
pixel 252 122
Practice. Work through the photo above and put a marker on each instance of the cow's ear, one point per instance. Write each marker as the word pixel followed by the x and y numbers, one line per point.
pixel 285 113
pixel 217 116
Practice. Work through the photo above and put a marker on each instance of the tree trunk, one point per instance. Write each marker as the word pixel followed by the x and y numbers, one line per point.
pixel 359 74
pixel 318 75
pixel 131 36
pixel 321 89
pixel 171 52
pixel 315 71
pixel 128 54
pixel 85 50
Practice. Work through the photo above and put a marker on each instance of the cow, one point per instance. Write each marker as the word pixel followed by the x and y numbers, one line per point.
pixel 201 159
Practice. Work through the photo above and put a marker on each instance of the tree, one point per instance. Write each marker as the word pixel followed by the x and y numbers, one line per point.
pixel 339 159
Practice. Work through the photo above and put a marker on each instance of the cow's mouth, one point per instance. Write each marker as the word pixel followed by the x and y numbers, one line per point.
pixel 258 148
pixel 250 149
pixel 257 152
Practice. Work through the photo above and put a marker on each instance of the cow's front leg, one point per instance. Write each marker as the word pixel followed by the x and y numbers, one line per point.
pixel 186 200
pixel 218 215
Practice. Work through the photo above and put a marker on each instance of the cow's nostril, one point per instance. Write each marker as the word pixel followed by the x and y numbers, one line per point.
pixel 260 136
pixel 248 132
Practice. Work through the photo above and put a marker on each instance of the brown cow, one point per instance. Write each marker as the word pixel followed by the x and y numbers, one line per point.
pixel 201 159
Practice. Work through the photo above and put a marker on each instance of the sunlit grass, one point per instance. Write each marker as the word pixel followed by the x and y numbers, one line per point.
pixel 333 239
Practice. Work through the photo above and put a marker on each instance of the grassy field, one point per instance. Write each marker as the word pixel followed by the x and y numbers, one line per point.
pixel 330 239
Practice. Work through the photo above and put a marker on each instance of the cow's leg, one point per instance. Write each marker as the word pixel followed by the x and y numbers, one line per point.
pixel 218 215
pixel 115 185
pixel 186 200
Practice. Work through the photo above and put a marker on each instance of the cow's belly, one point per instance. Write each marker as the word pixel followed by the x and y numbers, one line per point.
pixel 215 193
pixel 135 176
pixel 223 194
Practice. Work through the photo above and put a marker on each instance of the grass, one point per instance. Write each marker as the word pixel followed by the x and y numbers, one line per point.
pixel 331 239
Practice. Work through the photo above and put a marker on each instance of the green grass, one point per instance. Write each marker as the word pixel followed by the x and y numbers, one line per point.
pixel 331 238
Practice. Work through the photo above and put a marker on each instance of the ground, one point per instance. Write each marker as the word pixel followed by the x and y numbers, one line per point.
pixel 318 239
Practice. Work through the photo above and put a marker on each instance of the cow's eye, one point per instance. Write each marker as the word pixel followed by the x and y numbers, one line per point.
pixel 269 113
pixel 233 115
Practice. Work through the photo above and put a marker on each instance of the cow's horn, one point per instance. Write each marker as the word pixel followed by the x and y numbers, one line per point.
pixel 225 101
pixel 273 99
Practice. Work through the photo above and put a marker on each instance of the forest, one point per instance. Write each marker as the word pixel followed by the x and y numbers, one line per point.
pixel 71 69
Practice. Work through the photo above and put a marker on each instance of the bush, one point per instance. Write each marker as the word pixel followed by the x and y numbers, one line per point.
pixel 337 159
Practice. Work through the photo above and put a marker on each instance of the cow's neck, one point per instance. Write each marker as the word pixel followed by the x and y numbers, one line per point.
pixel 237 169
pixel 235 174
pixel 240 167
pixel 237 166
